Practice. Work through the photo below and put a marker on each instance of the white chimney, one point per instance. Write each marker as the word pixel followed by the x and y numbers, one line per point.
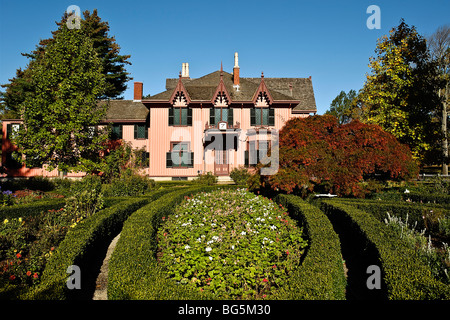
pixel 236 64
pixel 185 70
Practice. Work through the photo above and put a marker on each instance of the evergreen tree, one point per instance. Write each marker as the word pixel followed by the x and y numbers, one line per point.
pixel 113 63
pixel 60 110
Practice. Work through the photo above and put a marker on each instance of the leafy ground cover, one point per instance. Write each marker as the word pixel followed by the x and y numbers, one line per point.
pixel 231 243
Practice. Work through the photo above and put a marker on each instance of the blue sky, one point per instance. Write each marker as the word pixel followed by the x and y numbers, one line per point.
pixel 327 40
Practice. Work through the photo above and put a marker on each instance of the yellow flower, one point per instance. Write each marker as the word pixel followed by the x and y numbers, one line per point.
pixel 5 221
pixel 20 219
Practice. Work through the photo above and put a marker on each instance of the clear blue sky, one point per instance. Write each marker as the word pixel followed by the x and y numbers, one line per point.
pixel 326 39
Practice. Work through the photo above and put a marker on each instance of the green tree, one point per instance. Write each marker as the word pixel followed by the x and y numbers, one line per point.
pixel 60 111
pixel 400 93
pixel 113 63
pixel 342 106
pixel 439 46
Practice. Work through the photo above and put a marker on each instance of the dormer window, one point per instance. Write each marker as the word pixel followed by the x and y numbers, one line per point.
pixel 262 114
pixel 221 112
pixel 180 114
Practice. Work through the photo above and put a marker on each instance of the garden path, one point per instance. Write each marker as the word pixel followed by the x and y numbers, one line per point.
pixel 101 287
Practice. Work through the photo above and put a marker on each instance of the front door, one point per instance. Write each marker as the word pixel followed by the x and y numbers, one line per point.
pixel 221 163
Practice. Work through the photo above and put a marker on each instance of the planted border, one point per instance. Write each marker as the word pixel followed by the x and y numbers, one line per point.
pixel 379 209
pixel 134 273
pixel 321 274
pixel 406 277
pixel 428 197
pixel 79 247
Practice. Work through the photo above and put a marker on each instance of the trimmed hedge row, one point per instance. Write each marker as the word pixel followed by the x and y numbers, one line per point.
pixel 415 211
pixel 134 273
pixel 406 277
pixel 321 274
pixel 80 246
pixel 36 207
pixel 428 197
pixel 30 209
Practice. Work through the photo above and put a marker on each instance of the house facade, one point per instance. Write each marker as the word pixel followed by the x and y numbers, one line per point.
pixel 214 123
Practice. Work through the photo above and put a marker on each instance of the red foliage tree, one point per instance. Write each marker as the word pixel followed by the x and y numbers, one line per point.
pixel 317 151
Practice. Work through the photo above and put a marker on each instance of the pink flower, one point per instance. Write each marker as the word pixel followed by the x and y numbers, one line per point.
pixel 265 280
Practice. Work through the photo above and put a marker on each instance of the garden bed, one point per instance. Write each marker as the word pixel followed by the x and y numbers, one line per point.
pixel 405 274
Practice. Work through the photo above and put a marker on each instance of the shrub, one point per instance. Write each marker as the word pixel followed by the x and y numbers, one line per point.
pixel 129 184
pixel 230 242
pixel 240 175
pixel 80 247
pixel 317 152
pixel 405 275
pixel 207 178
pixel 321 275
pixel 87 197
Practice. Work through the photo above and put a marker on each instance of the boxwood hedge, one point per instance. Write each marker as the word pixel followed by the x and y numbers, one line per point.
pixel 135 274
pixel 321 274
pixel 406 277
pixel 415 211
pixel 80 246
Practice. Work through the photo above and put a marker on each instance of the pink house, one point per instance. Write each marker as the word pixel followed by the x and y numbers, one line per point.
pixel 214 123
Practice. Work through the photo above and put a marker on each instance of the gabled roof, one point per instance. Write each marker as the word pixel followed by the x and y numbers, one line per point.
pixel 125 110
pixel 281 89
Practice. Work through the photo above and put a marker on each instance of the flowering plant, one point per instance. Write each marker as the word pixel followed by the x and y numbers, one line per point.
pixel 230 242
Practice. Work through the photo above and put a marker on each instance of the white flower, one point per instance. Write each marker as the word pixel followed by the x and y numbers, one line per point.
pixel 215 238
pixel 210 241
pixel 243 233
pixel 210 258
pixel 273 227
pixel 208 249
pixel 232 246
pixel 199 239
pixel 187 247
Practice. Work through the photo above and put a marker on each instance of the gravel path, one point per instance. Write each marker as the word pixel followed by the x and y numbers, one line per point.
pixel 102 279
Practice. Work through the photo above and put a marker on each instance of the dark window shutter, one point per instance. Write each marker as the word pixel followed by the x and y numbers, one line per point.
pixel 189 116
pixel 190 163
pixel 271 117
pixel 246 158
pixel 169 160
pixel 8 131
pixel 230 116
pixel 135 131
pixel 171 116
pixel 146 132
pixel 212 119
pixel 252 117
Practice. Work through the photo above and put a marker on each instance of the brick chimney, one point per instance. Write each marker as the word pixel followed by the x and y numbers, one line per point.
pixel 236 70
pixel 138 86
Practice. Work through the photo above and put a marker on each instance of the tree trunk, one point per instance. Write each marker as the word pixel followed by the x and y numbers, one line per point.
pixel 444 131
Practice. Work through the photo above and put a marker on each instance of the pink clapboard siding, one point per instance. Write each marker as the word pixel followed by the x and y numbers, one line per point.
pixel 161 135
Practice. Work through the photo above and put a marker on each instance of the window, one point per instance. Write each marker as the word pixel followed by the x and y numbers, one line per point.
pixel 116 132
pixel 179 156
pixel 262 116
pixel 256 150
pixel 217 115
pixel 180 116
pixel 140 131
pixel 11 130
